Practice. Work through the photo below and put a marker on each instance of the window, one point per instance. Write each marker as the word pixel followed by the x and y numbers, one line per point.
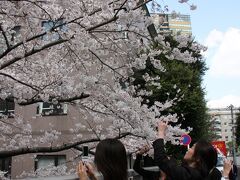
pixel 42 161
pixel 226 137
pixel 7 108
pixel 50 109
pixel 48 25
pixel 15 32
pixel 5 165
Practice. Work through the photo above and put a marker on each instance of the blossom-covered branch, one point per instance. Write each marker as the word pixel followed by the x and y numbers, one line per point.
pixel 28 150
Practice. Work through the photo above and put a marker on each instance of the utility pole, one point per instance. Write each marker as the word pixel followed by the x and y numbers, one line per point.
pixel 233 135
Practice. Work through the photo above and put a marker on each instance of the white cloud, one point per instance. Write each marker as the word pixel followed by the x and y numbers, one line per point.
pixel 214 38
pixel 224 102
pixel 226 59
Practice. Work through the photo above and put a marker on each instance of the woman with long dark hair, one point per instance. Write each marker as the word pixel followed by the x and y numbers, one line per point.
pixel 110 160
pixel 197 164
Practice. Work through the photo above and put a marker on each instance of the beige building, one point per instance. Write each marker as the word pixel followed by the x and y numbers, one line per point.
pixel 42 117
pixel 221 119
pixel 172 23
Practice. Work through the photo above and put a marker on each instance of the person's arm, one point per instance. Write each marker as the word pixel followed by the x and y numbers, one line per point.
pixel 159 152
pixel 139 169
pixel 158 145
pixel 167 165
pixel 90 171
pixel 160 157
pixel 226 169
pixel 137 166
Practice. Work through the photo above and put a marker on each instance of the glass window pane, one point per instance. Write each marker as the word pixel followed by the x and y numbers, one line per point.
pixel 61 160
pixel 10 105
pixel 46 105
pixel 2 105
pixel 45 161
pixel 49 160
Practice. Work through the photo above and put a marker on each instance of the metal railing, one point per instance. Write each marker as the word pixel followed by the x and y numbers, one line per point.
pixel 131 174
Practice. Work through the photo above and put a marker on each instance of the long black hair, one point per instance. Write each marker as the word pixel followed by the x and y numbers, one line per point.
pixel 111 159
pixel 205 157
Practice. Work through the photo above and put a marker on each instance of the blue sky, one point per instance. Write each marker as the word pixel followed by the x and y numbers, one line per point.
pixel 216 24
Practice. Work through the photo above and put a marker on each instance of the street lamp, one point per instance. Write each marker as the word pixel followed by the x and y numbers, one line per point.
pixel 233 134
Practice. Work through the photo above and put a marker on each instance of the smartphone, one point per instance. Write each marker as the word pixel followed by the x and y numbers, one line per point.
pixel 85 157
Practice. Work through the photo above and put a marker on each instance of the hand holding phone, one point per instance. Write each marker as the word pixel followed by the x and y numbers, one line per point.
pixel 86 170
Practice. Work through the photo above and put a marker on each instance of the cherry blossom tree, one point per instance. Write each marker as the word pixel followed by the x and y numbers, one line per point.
pixel 82 53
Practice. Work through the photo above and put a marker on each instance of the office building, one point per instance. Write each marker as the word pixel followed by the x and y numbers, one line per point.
pixel 172 23
pixel 221 121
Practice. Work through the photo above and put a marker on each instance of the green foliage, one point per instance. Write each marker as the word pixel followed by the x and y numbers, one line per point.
pixel 183 81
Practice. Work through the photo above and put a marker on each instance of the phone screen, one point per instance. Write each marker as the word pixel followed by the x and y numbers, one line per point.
pixel 85 150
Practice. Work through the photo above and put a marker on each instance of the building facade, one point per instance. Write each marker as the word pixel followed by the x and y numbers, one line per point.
pixel 221 121
pixel 172 23
pixel 43 117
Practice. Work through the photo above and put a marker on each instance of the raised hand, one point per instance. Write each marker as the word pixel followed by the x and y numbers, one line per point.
pixel 162 127
pixel 82 171
pixel 143 150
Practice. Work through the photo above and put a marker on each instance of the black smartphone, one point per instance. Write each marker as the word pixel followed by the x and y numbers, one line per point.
pixel 85 156
pixel 85 150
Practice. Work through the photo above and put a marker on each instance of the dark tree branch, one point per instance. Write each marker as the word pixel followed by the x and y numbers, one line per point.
pixel 23 83
pixel 114 18
pixel 119 116
pixel 142 4
pixel 20 43
pixel 70 99
pixel 44 10
pixel 32 52
pixel 96 111
pixel 29 150
pixel 10 48
pixel 4 35
pixel 121 7
pixel 36 36
pixel 105 63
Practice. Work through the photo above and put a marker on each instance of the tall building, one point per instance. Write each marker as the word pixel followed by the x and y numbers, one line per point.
pixel 172 23
pixel 221 120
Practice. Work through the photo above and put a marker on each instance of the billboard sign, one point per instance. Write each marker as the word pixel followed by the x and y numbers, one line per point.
pixel 220 145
